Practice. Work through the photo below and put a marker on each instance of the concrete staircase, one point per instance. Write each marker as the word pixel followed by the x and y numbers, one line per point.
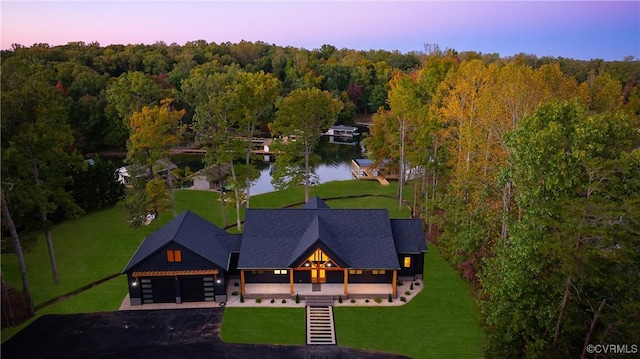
pixel 320 327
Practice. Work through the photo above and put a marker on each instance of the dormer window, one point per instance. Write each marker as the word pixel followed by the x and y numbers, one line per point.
pixel 174 256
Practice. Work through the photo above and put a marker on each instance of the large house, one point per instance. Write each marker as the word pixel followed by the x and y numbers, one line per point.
pixel 312 250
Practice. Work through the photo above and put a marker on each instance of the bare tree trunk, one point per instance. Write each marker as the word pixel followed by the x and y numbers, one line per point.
pixel 222 205
pixel 401 174
pixel 20 256
pixel 563 305
pixel 307 151
pixel 47 233
pixel 235 189
pixel 171 197
pixel 593 324
pixel 506 208
pixel 247 159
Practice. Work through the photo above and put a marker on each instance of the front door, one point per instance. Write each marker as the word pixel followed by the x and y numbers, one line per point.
pixel 318 276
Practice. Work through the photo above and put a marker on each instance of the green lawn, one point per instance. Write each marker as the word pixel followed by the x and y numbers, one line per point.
pixel 264 325
pixel 440 321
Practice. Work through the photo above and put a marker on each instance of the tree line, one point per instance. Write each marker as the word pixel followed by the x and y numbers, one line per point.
pixel 529 184
pixel 460 119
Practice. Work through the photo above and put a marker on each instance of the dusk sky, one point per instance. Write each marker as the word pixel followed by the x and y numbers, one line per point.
pixel 584 30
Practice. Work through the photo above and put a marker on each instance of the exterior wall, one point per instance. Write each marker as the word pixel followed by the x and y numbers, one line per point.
pixel 189 261
pixel 368 277
pixel 267 277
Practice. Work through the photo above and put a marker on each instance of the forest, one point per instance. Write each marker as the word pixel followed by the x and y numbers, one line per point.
pixel 527 168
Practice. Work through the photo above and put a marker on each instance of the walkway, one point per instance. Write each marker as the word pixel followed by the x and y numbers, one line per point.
pixel 320 326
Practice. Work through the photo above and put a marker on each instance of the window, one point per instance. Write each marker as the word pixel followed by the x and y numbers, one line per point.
pixel 174 256
pixel 407 262
pixel 378 271
pixel 355 271
pixel 280 271
pixel 260 271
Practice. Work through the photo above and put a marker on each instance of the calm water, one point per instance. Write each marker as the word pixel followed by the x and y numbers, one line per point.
pixel 335 164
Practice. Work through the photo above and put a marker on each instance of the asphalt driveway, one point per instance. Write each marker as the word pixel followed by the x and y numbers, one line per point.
pixel 153 334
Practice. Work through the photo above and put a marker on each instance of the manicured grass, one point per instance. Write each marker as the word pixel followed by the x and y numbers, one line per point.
pixel 440 322
pixel 264 325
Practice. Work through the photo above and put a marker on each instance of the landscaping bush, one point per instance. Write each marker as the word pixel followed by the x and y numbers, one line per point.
pixel 353 300
pixel 408 292
pixel 417 284
pixel 340 299
pixel 297 298
pixel 234 293
pixel 366 300
pixel 390 298
pixel 236 284
pixel 284 301
pixel 411 286
pixel 241 298
pixel 403 299
pixel 258 300
pixel 273 301
pixel 377 300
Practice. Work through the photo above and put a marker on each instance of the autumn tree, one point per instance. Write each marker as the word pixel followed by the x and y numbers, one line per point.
pixel 154 131
pixel 302 117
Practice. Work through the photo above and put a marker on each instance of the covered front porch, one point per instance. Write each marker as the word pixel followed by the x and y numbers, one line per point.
pixel 335 290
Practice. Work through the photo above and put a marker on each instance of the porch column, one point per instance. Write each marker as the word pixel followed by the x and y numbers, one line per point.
pixel 242 282
pixel 394 284
pixel 346 282
pixel 291 281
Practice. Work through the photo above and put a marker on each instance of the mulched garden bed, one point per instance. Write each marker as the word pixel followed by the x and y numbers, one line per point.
pixel 153 334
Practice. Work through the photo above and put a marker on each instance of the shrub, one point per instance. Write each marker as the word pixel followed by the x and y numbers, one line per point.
pixel 377 300
pixel 273 301
pixel 417 284
pixel 284 301
pixel 403 299
pixel 408 292
pixel 236 284
pixel 399 283
pixel 411 286
pixel 241 298
pixel 366 300
pixel 235 292
pixel 353 300
pixel 258 300
pixel 297 298
pixel 390 298
pixel 340 299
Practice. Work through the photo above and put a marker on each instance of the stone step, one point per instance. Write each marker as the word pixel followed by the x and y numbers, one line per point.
pixel 320 325
pixel 318 301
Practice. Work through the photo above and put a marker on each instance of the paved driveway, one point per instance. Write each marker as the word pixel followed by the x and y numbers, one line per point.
pixel 158 334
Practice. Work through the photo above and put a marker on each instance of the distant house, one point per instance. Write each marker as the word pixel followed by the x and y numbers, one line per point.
pixel 312 250
pixel 208 179
pixel 342 131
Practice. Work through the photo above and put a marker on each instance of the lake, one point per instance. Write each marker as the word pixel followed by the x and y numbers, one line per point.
pixel 335 163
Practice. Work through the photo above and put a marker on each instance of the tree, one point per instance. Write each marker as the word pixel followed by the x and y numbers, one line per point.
pixel 17 247
pixel 574 245
pixel 258 93
pixel 153 132
pixel 38 153
pixel 303 116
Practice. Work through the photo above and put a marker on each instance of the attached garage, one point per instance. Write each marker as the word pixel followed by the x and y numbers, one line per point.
pixel 157 290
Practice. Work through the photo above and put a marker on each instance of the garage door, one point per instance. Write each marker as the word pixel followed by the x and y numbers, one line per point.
pixel 192 289
pixel 158 290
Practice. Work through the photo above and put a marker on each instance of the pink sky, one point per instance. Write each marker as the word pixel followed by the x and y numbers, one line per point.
pixel 576 29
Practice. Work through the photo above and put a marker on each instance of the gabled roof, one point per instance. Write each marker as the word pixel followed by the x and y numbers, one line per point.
pixel 315 203
pixel 344 128
pixel 316 234
pixel 192 232
pixel 361 238
pixel 409 235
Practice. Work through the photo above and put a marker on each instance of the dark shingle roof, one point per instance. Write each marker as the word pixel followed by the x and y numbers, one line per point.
pixel 315 203
pixel 361 238
pixel 409 235
pixel 192 232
